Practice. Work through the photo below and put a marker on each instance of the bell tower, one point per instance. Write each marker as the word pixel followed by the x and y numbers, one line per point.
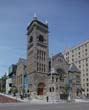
pixel 37 56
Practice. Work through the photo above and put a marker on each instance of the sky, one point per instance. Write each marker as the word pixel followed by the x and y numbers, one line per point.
pixel 68 22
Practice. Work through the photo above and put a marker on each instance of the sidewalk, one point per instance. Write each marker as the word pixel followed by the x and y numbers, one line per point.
pixel 8 99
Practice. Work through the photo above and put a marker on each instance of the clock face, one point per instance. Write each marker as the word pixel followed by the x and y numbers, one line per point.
pixel 41 38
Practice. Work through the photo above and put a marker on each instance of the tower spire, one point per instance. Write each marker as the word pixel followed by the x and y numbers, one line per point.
pixel 46 22
pixel 35 16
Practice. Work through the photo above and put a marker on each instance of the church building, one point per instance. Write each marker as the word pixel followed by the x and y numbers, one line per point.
pixel 41 76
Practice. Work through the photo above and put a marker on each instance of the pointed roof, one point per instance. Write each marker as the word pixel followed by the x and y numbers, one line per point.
pixel 73 69
pixel 53 72
pixel 36 21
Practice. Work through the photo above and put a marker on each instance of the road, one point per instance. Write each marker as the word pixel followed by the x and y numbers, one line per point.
pixel 24 106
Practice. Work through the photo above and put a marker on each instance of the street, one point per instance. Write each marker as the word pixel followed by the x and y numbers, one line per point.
pixel 61 106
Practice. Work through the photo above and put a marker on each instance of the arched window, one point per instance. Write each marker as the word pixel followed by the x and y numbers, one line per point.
pixel 41 38
pixel 31 39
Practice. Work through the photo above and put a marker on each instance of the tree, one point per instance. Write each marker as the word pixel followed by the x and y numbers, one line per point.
pixel 14 91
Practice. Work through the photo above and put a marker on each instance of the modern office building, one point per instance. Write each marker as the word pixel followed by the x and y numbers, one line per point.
pixel 79 55
pixel 12 74
pixel 11 79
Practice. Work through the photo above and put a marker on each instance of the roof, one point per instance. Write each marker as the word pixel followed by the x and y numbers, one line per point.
pixel 76 46
pixel 73 68
pixel 24 61
pixel 60 55
pixel 37 21
pixel 53 72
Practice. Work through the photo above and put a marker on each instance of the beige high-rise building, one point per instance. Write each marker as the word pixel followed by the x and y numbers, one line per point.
pixel 79 55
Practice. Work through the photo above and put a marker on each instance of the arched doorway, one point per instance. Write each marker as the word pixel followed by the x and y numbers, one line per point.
pixel 40 90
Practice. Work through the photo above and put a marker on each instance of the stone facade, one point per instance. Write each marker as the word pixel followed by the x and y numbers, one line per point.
pixel 41 76
pixel 61 73
pixel 37 57
pixel 75 81
pixel 21 70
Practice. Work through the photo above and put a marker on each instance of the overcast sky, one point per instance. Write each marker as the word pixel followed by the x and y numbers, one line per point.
pixel 68 22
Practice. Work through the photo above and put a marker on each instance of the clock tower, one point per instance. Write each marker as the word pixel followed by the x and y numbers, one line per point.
pixel 37 57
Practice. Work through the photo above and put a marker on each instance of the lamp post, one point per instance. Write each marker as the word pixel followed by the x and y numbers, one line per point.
pixel 51 77
pixel 69 80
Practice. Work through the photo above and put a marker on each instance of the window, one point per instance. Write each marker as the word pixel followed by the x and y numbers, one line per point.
pixel 86 59
pixel 56 79
pixel 37 66
pixel 79 62
pixel 52 79
pixel 59 59
pixel 79 56
pixel 83 79
pixel 86 50
pixel 85 53
pixel 41 38
pixel 67 53
pixel 87 84
pixel 31 39
pixel 83 74
pixel 79 53
pixel 86 69
pixel 72 59
pixel 50 89
pixel 86 74
pixel 86 64
pixel 57 88
pixel 44 67
pixel 44 56
pixel 79 66
pixel 10 84
pixel 72 55
pixel 87 79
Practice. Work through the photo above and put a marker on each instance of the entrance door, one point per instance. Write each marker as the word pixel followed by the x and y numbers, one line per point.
pixel 40 89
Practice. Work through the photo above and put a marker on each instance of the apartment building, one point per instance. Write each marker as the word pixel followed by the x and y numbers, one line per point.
pixel 79 55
